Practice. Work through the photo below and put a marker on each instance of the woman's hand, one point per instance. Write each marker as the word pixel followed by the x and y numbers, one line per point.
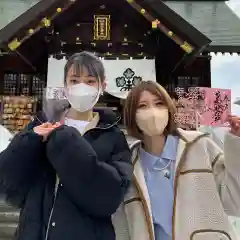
pixel 45 129
pixel 235 125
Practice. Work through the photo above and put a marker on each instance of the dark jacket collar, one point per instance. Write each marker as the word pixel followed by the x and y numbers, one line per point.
pixel 107 118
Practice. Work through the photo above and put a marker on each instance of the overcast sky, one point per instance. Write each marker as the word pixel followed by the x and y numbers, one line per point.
pixel 226 69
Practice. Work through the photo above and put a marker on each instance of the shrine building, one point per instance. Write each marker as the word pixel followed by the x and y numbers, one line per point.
pixel 174 37
pixel 166 41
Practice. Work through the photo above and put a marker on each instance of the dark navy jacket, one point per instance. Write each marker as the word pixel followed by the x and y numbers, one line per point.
pixel 94 170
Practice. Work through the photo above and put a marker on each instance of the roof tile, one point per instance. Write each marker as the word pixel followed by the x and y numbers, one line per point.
pixel 11 9
pixel 214 19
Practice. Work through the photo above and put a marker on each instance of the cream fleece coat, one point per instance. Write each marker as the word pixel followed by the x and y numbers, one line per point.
pixel 206 190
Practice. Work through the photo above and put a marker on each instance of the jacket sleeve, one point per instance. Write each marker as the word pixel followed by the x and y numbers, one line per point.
pixel 19 163
pixel 95 187
pixel 226 168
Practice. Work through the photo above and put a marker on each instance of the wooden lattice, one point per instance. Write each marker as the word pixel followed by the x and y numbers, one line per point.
pixel 24 84
pixel 37 87
pixel 10 84
pixel 20 84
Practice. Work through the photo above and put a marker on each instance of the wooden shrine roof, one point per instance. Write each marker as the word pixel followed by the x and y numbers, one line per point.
pixel 44 7
pixel 34 11
pixel 214 19
pixel 199 22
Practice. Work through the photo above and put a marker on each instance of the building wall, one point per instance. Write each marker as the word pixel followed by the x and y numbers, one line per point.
pixel 17 77
pixel 11 9
pixel 196 74
pixel 10 64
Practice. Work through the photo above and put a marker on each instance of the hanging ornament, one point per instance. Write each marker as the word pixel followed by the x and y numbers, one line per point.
pixel 143 11
pixel 170 33
pixel 13 45
pixel 59 10
pixel 187 47
pixel 30 31
pixel 46 22
pixel 155 23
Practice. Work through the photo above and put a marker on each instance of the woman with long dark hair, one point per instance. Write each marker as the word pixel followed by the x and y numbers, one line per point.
pixel 68 178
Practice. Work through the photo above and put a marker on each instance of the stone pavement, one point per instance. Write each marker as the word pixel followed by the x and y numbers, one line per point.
pixel 8 220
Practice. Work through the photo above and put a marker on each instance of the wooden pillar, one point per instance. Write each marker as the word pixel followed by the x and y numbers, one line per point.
pixel 207 73
pixel 1 74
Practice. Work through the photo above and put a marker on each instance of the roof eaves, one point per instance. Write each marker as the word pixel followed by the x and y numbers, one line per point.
pixel 214 19
pixel 172 18
pixel 223 49
pixel 24 19
pixel 237 101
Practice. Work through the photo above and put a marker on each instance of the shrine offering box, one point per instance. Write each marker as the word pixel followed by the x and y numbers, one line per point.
pixel 17 112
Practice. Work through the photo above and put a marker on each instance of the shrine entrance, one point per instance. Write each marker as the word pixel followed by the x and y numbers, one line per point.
pixel 121 30
pixel 176 37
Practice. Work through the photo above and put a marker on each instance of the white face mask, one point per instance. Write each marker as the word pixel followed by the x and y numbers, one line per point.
pixel 152 121
pixel 82 97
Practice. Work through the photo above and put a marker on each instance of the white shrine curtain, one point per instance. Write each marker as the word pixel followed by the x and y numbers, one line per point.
pixel 121 75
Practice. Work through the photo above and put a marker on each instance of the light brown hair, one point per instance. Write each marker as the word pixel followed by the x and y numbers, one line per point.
pixel 131 107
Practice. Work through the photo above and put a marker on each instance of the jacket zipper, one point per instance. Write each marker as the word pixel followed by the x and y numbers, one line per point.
pixel 51 213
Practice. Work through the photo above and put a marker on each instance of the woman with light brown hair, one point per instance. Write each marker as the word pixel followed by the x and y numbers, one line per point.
pixel 184 185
